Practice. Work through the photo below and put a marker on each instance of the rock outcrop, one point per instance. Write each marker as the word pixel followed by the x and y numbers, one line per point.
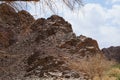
pixel 41 47
pixel 13 24
pixel 112 53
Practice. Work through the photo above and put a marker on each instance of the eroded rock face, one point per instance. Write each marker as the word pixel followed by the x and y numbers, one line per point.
pixel 112 53
pixel 16 22
pixel 6 36
pixel 40 47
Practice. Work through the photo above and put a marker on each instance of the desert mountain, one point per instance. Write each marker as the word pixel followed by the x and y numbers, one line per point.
pixel 42 47
pixel 112 53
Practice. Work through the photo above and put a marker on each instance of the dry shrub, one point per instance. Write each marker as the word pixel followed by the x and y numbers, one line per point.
pixel 92 66
pixel 114 72
pixel 104 78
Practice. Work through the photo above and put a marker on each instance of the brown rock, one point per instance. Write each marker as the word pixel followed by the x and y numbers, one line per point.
pixel 40 47
pixel 112 53
pixel 6 37
pixel 25 18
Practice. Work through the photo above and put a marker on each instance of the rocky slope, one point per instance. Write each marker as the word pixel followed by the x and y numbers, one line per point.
pixel 42 47
pixel 112 53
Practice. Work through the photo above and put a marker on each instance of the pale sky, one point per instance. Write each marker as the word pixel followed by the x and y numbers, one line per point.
pixel 98 19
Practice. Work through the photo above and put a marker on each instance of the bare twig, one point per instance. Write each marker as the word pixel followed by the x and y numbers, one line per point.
pixel 51 4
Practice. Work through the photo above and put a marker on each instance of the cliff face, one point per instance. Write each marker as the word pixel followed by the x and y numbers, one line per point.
pixel 41 47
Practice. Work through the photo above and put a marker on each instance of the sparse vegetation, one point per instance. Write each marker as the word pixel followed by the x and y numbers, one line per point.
pixel 116 66
pixel 114 72
pixel 95 66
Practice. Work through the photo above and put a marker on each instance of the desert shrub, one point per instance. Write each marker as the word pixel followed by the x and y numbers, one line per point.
pixel 92 66
pixel 116 65
pixel 104 78
pixel 114 72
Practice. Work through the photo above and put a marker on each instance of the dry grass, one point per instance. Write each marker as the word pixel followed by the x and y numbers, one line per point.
pixel 112 74
pixel 93 66
pixel 104 78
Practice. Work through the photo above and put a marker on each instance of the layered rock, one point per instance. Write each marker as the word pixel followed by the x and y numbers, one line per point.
pixel 41 47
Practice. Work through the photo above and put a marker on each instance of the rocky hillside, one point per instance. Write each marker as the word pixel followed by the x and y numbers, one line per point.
pixel 42 47
pixel 112 53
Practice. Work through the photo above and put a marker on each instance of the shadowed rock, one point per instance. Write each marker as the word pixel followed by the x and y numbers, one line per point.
pixel 112 53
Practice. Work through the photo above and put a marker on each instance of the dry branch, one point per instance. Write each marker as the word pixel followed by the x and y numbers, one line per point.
pixel 71 4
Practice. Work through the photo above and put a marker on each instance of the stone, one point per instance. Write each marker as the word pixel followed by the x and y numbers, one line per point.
pixel 41 47
pixel 112 53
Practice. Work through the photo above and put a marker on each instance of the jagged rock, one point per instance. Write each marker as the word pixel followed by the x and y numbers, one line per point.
pixel 112 53
pixel 40 47
pixel 25 18
pixel 38 24
pixel 6 37
pixel 9 16
pixel 16 25
pixel 9 20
